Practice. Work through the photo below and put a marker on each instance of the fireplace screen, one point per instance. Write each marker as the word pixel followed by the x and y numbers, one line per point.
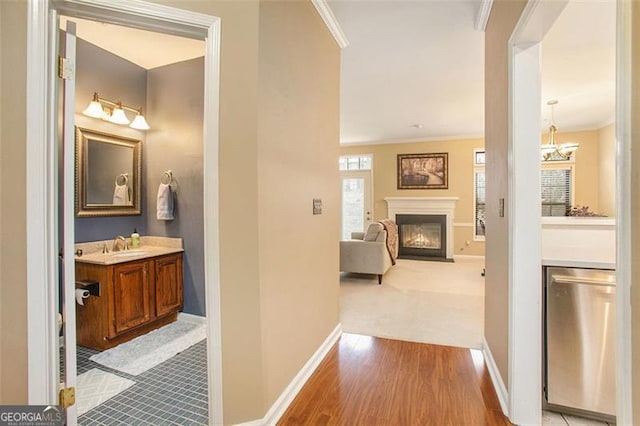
pixel 422 236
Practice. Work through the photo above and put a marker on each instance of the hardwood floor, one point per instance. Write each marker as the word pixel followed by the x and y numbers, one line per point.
pixel 372 381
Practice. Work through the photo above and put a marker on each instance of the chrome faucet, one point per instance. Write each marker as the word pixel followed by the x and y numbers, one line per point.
pixel 125 245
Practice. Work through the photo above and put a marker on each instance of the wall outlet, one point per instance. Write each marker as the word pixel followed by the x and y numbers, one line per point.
pixel 317 206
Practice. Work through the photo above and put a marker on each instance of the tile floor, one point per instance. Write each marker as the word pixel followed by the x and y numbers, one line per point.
pixel 172 393
pixel 550 418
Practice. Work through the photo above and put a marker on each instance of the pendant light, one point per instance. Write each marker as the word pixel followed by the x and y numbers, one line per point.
pixel 553 151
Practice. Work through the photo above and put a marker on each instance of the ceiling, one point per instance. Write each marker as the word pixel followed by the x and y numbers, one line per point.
pixel 414 70
pixel 144 48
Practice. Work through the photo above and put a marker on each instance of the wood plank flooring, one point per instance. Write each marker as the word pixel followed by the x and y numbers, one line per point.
pixel 372 381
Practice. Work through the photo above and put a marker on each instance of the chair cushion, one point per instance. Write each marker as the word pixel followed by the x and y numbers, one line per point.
pixel 372 231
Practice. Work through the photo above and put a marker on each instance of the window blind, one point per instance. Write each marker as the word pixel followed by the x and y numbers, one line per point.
pixel 479 189
pixel 556 192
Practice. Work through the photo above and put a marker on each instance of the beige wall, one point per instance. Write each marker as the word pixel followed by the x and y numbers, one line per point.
pixel 635 208
pixel 385 182
pixel 586 167
pixel 13 273
pixel 249 360
pixel 607 170
pixel 503 18
pixel 298 136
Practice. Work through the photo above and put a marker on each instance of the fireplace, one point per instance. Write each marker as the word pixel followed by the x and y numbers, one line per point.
pixel 422 236
pixel 430 207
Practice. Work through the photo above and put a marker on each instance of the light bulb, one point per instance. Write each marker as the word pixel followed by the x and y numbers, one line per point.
pixel 118 116
pixel 139 123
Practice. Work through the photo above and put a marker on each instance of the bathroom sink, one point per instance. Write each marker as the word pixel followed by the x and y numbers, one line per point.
pixel 129 253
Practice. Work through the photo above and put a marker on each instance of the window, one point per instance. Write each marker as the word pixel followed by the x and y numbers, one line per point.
pixel 556 189
pixel 479 194
pixel 356 162
pixel 479 214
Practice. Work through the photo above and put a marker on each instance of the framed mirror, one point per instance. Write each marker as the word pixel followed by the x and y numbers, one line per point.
pixel 108 169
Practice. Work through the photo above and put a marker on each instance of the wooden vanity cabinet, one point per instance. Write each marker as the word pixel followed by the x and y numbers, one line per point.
pixel 130 296
pixel 136 297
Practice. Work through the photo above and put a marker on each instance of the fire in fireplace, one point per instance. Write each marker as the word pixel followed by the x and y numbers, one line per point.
pixel 422 236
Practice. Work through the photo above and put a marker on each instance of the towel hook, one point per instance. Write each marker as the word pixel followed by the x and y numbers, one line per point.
pixel 167 176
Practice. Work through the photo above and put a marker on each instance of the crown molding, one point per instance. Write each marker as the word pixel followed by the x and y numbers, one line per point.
pixel 413 140
pixel 483 15
pixel 331 22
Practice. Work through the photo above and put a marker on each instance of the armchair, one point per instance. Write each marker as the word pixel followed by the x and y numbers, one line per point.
pixel 366 255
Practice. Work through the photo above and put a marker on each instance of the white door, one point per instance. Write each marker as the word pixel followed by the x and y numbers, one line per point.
pixel 67 233
pixel 357 207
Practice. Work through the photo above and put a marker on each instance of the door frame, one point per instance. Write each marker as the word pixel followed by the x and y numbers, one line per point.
pixel 525 315
pixel 42 203
pixel 368 176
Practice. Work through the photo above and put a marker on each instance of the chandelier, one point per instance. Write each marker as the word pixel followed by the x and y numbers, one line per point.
pixel 553 151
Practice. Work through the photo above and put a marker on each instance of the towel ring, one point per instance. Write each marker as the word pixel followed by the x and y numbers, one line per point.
pixel 122 179
pixel 167 177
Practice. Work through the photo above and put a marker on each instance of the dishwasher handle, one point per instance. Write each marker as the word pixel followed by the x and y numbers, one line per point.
pixel 569 279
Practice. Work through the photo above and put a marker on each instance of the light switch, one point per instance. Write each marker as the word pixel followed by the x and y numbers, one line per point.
pixel 317 206
pixel 501 208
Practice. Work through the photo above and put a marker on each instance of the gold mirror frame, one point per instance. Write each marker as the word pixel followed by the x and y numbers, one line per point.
pixel 83 207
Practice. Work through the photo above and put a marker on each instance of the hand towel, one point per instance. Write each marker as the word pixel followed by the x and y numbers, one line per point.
pixel 121 195
pixel 164 204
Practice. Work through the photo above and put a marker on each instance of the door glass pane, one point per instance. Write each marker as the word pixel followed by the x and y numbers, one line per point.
pixel 352 206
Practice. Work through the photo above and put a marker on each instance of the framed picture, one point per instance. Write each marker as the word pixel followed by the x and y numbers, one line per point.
pixel 423 171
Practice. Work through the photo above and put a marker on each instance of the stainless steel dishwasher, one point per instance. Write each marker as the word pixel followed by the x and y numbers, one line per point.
pixel 580 342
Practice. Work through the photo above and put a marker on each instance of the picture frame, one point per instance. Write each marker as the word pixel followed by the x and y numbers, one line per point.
pixel 423 171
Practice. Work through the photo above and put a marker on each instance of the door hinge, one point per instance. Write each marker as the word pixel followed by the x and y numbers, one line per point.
pixel 66 68
pixel 67 397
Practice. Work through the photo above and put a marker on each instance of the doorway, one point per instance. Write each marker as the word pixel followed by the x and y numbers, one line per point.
pixel 43 28
pixel 168 89
pixel 525 316
pixel 357 194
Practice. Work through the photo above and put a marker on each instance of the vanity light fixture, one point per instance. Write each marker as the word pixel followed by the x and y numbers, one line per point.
pixel 114 112
pixel 552 151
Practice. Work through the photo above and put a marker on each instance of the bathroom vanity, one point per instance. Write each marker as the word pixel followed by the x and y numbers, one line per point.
pixel 140 290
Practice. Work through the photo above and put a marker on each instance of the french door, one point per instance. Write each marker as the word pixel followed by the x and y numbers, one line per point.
pixel 357 205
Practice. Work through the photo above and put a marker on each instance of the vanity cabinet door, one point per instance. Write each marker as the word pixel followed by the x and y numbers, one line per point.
pixel 168 275
pixel 131 295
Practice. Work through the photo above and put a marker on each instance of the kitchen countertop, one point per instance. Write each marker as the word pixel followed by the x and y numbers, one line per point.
pixel 579 242
pixel 149 247
pixel 574 263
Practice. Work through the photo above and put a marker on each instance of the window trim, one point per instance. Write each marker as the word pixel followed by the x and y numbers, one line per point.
pixel 359 156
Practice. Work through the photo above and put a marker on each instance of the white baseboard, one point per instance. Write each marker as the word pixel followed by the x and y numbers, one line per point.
pixel 195 319
pixel 291 391
pixel 468 256
pixel 496 378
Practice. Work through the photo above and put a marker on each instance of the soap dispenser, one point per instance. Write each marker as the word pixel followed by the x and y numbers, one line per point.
pixel 135 239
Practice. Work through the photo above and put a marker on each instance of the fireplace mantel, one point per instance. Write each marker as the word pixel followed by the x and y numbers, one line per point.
pixel 425 205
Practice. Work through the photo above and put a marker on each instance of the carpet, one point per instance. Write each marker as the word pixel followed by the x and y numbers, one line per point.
pixel 144 352
pixel 96 386
pixel 427 302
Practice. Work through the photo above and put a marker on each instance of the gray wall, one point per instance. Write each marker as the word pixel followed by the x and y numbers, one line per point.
pixel 175 102
pixel 116 79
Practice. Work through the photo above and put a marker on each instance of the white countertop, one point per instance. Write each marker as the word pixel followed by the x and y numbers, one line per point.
pixel 580 242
